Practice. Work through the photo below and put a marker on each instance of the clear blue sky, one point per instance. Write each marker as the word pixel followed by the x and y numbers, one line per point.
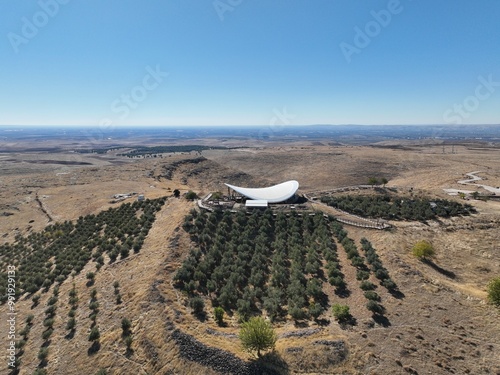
pixel 87 62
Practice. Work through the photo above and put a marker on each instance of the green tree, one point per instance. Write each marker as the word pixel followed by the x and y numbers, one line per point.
pixel 94 334
pixel 423 250
pixel 375 307
pixel 256 335
pixel 197 304
pixel 43 354
pixel 219 315
pixel 315 310
pixel 126 325
pixel 128 341
pixel 373 181
pixel 341 312
pixel 384 181
pixel 191 195
pixel 494 291
pixel 71 324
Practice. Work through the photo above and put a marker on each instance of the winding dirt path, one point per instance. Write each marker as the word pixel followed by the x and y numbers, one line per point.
pixel 472 181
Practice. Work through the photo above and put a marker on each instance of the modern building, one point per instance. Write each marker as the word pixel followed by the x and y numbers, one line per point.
pixel 272 194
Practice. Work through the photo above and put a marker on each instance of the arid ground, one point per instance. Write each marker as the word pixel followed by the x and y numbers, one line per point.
pixel 442 323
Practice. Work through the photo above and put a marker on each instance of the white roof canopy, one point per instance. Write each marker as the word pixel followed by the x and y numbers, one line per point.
pixel 272 194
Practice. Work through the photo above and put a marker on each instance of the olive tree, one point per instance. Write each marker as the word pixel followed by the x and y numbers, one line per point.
pixel 256 334
pixel 423 250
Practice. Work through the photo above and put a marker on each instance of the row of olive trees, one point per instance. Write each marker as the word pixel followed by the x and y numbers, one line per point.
pixel 63 249
pixel 398 208
pixel 248 264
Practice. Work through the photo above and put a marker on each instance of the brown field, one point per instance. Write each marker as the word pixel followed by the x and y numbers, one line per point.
pixel 442 325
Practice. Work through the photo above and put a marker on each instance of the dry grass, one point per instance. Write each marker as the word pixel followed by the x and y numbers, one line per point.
pixel 442 324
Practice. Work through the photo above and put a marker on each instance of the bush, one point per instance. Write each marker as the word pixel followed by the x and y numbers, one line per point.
pixel 219 315
pixel 389 284
pixel 197 304
pixel 494 291
pixel 367 285
pixel 94 306
pixel 371 295
pixel 423 250
pixel 191 195
pixel 126 325
pixel 43 354
pixel 297 313
pixel 257 335
pixel 341 312
pixel 362 275
pixel 94 334
pixel 46 334
pixel 71 324
pixel 315 310
pixel 375 307
pixel 128 341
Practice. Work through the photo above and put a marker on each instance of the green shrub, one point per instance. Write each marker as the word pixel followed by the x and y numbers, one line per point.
pixel 375 307
pixel 494 291
pixel 341 312
pixel 71 324
pixel 367 285
pixel 94 334
pixel 297 313
pixel 362 275
pixel 371 295
pixel 191 195
pixel 47 333
pixel 126 325
pixel 315 310
pixel 43 354
pixel 219 315
pixel 423 250
pixel 197 304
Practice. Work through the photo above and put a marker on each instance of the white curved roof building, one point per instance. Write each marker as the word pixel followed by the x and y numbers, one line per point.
pixel 272 194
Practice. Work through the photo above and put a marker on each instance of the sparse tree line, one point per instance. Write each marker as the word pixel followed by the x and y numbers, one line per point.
pixel 397 208
pixel 114 232
pixel 157 150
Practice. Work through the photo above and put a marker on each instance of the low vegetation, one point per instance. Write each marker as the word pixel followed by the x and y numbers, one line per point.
pixel 259 263
pixel 341 312
pixel 423 250
pixel 398 208
pixel 494 291
pixel 156 150
pixel 63 249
